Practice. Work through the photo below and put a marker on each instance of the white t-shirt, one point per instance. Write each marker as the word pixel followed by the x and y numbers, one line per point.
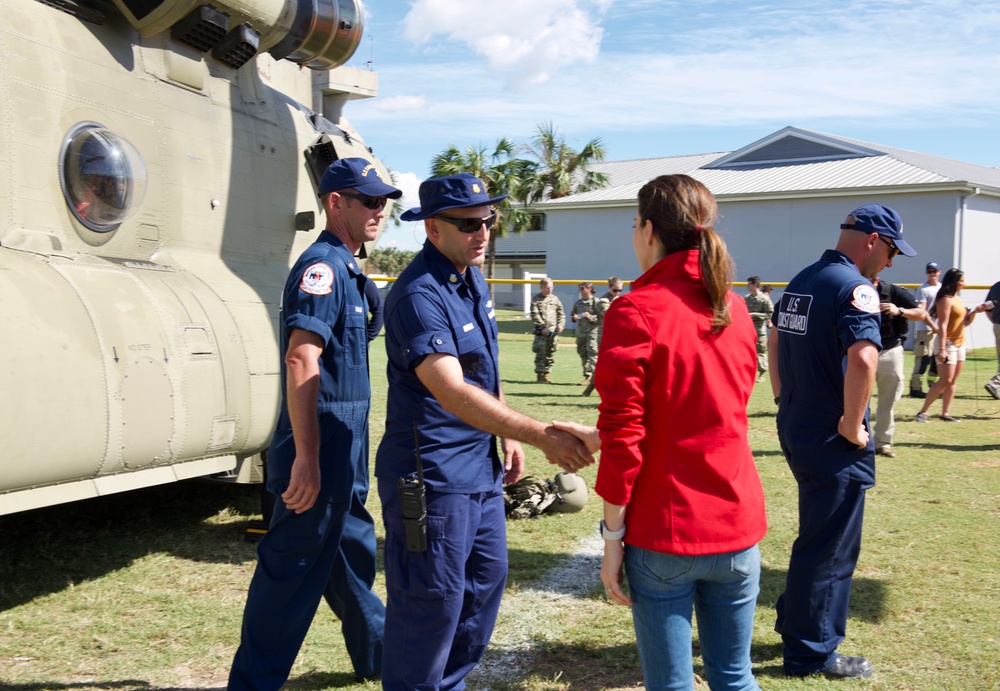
pixel 926 294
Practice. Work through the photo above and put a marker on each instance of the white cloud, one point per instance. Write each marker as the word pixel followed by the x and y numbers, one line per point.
pixel 410 184
pixel 668 65
pixel 526 39
pixel 395 104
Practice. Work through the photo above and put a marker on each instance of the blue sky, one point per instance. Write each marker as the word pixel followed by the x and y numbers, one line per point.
pixel 660 77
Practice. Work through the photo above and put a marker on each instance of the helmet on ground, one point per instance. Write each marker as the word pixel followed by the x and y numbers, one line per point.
pixel 571 493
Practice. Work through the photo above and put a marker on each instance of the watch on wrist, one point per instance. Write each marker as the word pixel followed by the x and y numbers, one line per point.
pixel 610 535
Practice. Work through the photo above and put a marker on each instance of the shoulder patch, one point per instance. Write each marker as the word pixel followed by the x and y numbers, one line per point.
pixel 865 299
pixel 317 279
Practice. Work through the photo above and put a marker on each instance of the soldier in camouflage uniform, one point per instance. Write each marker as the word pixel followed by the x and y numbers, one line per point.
pixel 761 309
pixel 615 287
pixel 547 315
pixel 584 315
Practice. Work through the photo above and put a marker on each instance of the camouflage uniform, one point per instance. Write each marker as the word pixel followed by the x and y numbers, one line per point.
pixel 761 309
pixel 602 308
pixel 586 333
pixel 546 313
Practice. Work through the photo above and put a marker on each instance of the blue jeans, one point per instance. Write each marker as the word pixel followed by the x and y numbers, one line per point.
pixel 721 588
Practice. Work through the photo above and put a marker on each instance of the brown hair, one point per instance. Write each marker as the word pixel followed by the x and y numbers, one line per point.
pixel 682 212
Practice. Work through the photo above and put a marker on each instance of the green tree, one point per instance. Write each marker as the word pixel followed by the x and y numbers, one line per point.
pixel 390 260
pixel 503 173
pixel 561 170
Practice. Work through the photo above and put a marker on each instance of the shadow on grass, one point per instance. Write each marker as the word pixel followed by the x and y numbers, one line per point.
pixel 47 550
pixel 127 684
pixel 583 666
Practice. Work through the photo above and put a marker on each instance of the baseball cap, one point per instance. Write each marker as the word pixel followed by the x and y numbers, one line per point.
pixel 359 174
pixel 931 266
pixel 450 192
pixel 876 218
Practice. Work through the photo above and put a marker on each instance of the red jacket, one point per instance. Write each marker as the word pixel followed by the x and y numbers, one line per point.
pixel 673 418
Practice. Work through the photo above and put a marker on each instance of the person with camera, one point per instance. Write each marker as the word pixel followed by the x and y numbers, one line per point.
pixel 992 300
pixel 898 306
pixel 440 477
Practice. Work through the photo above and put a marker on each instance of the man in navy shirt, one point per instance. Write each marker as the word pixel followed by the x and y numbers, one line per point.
pixel 823 358
pixel 445 399
pixel 321 540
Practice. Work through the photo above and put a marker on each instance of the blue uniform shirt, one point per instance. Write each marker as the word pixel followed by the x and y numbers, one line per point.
pixel 323 295
pixel 825 309
pixel 432 308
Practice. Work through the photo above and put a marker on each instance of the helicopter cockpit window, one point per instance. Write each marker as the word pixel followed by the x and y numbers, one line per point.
pixel 103 176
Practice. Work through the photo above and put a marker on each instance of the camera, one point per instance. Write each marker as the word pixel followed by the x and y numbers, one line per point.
pixel 412 495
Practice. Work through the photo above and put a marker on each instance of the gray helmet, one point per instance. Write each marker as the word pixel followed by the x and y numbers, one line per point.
pixel 571 493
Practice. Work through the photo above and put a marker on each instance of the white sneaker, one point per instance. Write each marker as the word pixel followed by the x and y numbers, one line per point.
pixel 921 417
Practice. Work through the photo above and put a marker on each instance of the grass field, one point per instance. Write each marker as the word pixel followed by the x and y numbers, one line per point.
pixel 145 590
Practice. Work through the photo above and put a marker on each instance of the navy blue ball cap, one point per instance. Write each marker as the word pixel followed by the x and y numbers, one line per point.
pixel 931 266
pixel 876 218
pixel 450 192
pixel 357 174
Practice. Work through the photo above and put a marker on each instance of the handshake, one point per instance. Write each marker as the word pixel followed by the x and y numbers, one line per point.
pixel 570 445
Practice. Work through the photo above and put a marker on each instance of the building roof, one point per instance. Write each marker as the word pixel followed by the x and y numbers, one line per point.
pixel 793 162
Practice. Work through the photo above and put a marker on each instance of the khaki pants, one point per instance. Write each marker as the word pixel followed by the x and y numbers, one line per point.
pixel 994 384
pixel 889 378
pixel 924 344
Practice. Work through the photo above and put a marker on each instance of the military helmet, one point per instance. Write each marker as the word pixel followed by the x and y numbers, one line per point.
pixel 571 493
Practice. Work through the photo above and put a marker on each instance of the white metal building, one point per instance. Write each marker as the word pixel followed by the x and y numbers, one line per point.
pixel 782 199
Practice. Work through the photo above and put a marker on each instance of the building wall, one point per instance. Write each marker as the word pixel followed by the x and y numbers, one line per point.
pixel 776 238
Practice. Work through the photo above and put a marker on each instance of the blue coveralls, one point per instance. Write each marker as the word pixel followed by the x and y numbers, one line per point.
pixel 442 604
pixel 825 309
pixel 329 550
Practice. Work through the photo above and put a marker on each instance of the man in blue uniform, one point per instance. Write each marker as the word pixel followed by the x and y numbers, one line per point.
pixel 321 540
pixel 445 399
pixel 823 358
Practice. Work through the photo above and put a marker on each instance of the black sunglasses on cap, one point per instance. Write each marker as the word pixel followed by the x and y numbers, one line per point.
pixel 470 225
pixel 369 202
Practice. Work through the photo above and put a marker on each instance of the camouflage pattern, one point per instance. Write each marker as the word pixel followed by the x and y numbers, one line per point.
pixel 761 309
pixel 546 313
pixel 586 332
pixel 602 308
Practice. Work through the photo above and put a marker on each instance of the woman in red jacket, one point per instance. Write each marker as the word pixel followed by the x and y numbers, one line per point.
pixel 683 503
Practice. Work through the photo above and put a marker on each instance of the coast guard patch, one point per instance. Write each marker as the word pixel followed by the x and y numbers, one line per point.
pixel 317 279
pixel 865 299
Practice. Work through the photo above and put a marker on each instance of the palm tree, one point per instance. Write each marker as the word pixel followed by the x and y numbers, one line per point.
pixel 503 174
pixel 561 170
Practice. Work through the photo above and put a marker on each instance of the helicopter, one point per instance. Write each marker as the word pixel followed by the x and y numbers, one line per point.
pixel 160 162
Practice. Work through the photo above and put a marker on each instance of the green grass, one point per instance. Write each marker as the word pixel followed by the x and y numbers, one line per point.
pixel 145 590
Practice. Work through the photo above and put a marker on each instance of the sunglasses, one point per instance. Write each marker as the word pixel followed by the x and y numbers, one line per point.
pixel 373 203
pixel 893 250
pixel 470 225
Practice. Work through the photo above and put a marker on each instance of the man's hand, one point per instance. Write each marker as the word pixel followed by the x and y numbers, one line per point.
pixel 858 436
pixel 565 450
pixel 513 460
pixel 303 486
pixel 588 435
pixel 545 331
